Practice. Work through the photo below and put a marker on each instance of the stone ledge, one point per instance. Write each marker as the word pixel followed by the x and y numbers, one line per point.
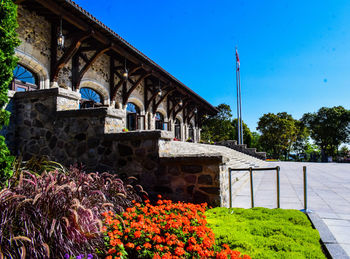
pixel 47 93
pixel 207 158
pixel 94 112
pixel 131 135
pixel 329 242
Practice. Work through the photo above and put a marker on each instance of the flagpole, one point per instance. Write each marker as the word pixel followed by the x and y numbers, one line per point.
pixel 238 120
pixel 240 105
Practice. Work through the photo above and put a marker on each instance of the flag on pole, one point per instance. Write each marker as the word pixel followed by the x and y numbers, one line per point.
pixel 237 60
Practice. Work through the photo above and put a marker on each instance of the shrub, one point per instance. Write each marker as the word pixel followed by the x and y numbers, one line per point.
pixel 266 233
pixel 165 230
pixel 57 214
pixel 8 42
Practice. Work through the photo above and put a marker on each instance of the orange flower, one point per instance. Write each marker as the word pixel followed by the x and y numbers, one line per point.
pixel 147 245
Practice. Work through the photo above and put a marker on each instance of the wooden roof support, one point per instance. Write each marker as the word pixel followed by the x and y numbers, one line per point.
pixel 168 91
pixel 148 102
pixel 180 109
pixel 138 82
pixel 97 54
pixel 115 89
pixel 68 54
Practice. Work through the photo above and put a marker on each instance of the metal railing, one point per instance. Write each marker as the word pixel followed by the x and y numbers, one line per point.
pixel 277 169
pixel 250 169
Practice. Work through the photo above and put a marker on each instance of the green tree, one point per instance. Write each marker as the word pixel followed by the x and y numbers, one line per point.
pixel 329 127
pixel 8 42
pixel 218 127
pixel 221 127
pixel 255 142
pixel 278 133
pixel 247 134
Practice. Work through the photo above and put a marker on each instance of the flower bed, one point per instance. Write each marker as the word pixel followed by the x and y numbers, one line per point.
pixel 164 230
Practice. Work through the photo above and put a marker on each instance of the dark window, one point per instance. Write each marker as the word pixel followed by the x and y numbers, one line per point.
pixel 133 117
pixel 177 129
pixel 90 98
pixel 159 121
pixel 24 79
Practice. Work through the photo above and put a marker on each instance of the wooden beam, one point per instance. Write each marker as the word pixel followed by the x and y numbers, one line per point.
pixel 173 108
pixel 147 104
pixel 168 91
pixel 97 54
pixel 116 88
pixel 180 108
pixel 111 74
pixel 138 82
pixel 53 58
pixel 76 43
pixel 121 81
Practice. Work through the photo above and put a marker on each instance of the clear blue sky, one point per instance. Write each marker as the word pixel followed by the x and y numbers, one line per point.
pixel 295 55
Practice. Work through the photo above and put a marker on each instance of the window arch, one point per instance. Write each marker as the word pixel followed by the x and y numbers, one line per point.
pixel 133 118
pixel 178 129
pixel 90 98
pixel 24 79
pixel 159 121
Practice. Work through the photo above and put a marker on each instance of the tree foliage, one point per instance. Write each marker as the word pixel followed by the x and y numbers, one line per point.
pixel 8 42
pixel 221 126
pixel 279 133
pixel 329 127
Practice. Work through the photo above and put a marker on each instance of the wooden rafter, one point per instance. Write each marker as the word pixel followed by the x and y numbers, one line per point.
pixel 175 104
pixel 167 92
pixel 122 80
pixel 97 54
pixel 149 101
pixel 68 54
pixel 138 82
pixel 180 109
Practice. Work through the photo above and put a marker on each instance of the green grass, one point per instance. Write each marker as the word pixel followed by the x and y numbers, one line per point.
pixel 266 233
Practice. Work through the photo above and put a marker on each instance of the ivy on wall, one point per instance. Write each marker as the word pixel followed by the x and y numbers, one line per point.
pixel 8 42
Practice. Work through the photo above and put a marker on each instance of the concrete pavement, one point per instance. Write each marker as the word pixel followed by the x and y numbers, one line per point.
pixel 328 193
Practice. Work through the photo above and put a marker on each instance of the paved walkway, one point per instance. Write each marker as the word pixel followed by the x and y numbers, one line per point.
pixel 328 193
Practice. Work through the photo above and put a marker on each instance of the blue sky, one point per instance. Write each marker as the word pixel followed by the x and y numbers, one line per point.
pixel 295 55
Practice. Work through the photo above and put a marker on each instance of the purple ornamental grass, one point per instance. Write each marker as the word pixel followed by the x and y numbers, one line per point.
pixel 56 214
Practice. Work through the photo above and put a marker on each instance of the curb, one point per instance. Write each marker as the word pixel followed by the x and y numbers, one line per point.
pixel 329 243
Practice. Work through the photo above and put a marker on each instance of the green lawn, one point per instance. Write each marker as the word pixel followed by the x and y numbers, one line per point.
pixel 266 233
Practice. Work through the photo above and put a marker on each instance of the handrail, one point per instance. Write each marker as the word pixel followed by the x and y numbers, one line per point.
pixel 277 168
pixel 250 169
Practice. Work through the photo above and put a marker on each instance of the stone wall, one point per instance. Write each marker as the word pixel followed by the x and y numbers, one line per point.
pixel 195 179
pixel 47 123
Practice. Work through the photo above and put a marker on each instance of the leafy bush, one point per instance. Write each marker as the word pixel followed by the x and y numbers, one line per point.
pixel 266 233
pixel 8 42
pixel 57 214
pixel 165 230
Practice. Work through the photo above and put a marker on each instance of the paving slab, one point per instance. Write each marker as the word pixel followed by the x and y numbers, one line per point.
pixel 328 197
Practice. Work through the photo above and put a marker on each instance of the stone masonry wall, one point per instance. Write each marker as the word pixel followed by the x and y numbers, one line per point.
pixel 91 137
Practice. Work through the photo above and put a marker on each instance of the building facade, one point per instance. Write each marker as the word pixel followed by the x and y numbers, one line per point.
pixel 63 46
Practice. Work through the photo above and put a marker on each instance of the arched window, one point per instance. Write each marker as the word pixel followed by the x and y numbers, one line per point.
pixel 191 132
pixel 159 121
pixel 24 79
pixel 132 116
pixel 178 129
pixel 90 98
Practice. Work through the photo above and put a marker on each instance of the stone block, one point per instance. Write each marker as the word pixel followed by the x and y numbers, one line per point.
pixel 205 179
pixel 191 169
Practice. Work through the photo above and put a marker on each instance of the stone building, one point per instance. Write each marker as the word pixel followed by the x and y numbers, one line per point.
pixel 78 86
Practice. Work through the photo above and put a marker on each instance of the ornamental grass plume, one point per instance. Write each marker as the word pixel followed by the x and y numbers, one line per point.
pixel 164 230
pixel 53 214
